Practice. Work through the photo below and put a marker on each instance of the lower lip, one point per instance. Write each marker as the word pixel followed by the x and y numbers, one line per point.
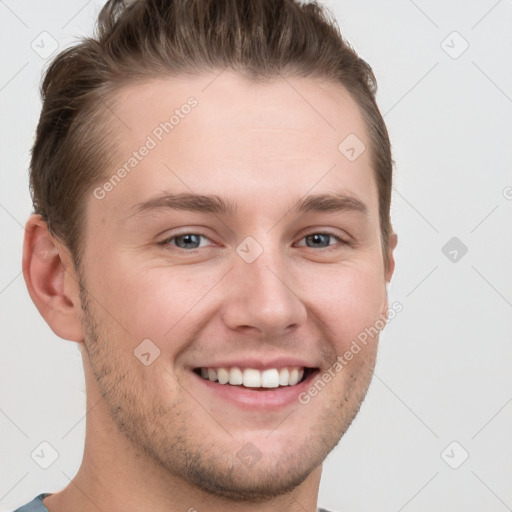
pixel 251 399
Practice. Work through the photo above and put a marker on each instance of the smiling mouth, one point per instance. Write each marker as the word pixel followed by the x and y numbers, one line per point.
pixel 252 378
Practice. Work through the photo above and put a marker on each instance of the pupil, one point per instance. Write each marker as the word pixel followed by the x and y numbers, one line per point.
pixel 188 240
pixel 319 238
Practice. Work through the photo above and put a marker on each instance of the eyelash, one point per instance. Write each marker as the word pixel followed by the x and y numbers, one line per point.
pixel 340 240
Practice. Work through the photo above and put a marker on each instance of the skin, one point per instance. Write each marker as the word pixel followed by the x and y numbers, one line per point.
pixel 262 146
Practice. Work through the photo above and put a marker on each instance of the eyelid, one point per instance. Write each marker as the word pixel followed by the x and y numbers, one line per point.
pixel 337 236
pixel 325 230
pixel 168 239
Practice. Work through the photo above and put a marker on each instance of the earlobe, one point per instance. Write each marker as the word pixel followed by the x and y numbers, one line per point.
pixel 51 280
pixel 393 240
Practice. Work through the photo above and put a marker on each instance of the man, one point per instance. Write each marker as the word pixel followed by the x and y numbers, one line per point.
pixel 211 183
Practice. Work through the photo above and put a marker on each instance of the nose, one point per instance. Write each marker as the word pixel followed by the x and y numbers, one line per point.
pixel 263 297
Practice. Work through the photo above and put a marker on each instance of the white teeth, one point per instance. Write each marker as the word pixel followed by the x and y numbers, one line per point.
pixel 222 375
pixel 294 377
pixel 270 378
pixel 235 376
pixel 252 378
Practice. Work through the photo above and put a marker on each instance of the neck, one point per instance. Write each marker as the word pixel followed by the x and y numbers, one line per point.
pixel 116 476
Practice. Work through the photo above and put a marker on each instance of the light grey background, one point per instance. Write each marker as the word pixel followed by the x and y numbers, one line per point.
pixel 443 372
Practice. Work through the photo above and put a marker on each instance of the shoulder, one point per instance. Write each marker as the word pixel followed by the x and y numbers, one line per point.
pixel 36 505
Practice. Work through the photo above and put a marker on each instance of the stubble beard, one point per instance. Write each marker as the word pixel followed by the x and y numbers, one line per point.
pixel 198 460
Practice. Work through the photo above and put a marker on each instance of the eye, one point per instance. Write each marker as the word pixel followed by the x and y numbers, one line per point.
pixel 321 240
pixel 193 241
pixel 185 241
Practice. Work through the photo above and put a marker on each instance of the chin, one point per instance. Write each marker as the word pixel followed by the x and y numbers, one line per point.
pixel 250 484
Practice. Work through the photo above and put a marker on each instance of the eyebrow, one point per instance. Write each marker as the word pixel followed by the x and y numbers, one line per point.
pixel 327 203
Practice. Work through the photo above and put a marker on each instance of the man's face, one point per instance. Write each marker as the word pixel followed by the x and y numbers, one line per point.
pixel 259 286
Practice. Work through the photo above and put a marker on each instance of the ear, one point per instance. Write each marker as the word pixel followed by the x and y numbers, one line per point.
pixel 51 280
pixel 393 240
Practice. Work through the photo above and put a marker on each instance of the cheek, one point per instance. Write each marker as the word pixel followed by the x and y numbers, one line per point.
pixel 161 303
pixel 348 301
pixel 154 302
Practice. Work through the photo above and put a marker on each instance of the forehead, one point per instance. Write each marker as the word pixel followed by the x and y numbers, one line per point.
pixel 226 134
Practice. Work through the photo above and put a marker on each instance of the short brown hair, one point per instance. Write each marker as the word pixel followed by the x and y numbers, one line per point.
pixel 137 40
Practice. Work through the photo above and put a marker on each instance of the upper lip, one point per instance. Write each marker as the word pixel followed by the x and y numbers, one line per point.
pixel 260 363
